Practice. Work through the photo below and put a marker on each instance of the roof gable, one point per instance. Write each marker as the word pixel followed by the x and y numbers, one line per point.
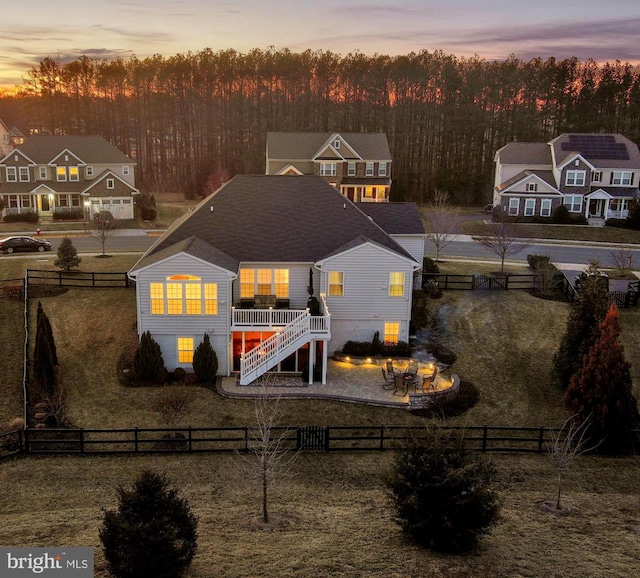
pixel 60 158
pixel 91 149
pixel 9 157
pixel 395 218
pixel 307 145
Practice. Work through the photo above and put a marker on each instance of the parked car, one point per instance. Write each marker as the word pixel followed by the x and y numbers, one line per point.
pixel 11 244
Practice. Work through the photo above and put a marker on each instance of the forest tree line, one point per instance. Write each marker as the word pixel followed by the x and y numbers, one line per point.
pixel 196 118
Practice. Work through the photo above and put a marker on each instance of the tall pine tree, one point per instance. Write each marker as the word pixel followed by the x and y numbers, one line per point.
pixel 587 311
pixel 601 391
pixel 45 357
pixel 67 255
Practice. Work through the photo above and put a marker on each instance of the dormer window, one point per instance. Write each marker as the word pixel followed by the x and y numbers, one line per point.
pixel 532 187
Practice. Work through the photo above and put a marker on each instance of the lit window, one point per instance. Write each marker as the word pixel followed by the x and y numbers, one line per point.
pixel 157 298
pixel 623 178
pixel 336 283
pixel 545 208
pixel 43 172
pixel 391 332
pixel 74 174
pixel 24 174
pixel 264 282
pixel 382 169
pixel 247 282
pixel 174 298
pixel 111 184
pixel 328 169
pixel 12 174
pixel 281 283
pixel 396 284
pixel 185 349
pixel 210 298
pixel 369 191
pixel 529 207
pixel 193 298
pixel 61 173
pixel 575 178
pixel 351 169
pixel 514 206
pixel 369 169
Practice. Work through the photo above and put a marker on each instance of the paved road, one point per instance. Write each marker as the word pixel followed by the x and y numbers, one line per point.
pixel 559 252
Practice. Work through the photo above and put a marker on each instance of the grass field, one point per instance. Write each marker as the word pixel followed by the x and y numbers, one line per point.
pixel 339 520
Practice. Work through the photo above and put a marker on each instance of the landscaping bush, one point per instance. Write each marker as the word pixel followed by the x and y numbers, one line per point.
pixel 376 344
pixel 537 261
pixel 419 313
pixel 429 266
pixel 432 289
pixel 68 215
pixel 441 353
pixel 442 494
pixel 560 215
pixel 357 348
pixel 364 349
pixel 28 217
pixel 152 533
pixel 205 361
pixel 179 374
pixel 147 360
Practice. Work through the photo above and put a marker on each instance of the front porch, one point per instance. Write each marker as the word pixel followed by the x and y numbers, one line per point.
pixel 345 382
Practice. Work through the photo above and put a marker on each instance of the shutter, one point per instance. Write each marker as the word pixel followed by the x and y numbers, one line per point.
pixel 633 177
pixel 611 179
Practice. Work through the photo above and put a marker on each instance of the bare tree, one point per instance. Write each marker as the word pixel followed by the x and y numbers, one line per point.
pixel 443 221
pixel 269 445
pixel 103 227
pixel 503 241
pixel 622 260
pixel 565 446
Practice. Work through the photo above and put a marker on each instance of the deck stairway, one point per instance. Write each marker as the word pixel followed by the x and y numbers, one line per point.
pixel 276 348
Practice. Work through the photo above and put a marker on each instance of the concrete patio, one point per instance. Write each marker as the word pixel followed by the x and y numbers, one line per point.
pixel 345 382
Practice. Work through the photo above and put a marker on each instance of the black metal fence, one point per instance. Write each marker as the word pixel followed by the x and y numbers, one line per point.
pixel 245 439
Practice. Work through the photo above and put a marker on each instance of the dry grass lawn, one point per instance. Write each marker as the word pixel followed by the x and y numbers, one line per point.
pixel 339 519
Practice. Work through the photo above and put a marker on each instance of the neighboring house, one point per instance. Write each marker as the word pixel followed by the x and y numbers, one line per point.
pixel 239 266
pixel 67 174
pixel 357 164
pixel 9 138
pixel 595 175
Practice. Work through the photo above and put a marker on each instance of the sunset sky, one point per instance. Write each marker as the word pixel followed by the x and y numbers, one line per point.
pixel 493 29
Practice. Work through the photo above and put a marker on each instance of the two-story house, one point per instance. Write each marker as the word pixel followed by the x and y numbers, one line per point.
pixel 9 138
pixel 241 267
pixel 595 175
pixel 357 164
pixel 67 174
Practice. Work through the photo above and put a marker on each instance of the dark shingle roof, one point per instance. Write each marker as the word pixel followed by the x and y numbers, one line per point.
pixel 546 176
pixel 620 191
pixel 305 145
pixel 395 218
pixel 563 143
pixel 89 149
pixel 525 153
pixel 267 218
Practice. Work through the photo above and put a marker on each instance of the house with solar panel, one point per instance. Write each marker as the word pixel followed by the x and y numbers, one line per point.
pixel 594 175
pixel 241 268
pixel 357 164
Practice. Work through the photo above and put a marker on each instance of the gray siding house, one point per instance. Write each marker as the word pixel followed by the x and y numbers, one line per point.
pixel 595 175
pixel 241 265
pixel 68 174
pixel 357 164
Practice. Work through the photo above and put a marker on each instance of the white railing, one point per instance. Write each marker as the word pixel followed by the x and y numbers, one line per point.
pixel 263 357
pixel 265 317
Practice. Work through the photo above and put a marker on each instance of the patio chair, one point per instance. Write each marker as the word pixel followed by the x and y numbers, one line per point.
pixel 392 370
pixel 389 381
pixel 401 385
pixel 412 367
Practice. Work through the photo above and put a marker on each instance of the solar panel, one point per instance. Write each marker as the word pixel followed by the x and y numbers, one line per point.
pixel 601 146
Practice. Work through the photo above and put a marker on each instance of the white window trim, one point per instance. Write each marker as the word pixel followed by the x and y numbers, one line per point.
pixel 43 172
pixel 382 169
pixel 396 284
pixel 21 171
pixel 532 187
pixel 529 208
pixel 618 178
pixel 351 169
pixel 514 203
pixel 88 171
pixel 545 206
pixel 329 284
pixel 328 169
pixel 73 177
pixel 12 174
pixel 111 183
pixel 575 176
pixel 336 144
pixel 596 177
pixel 369 169
pixel 571 204
pixel 125 170
pixel 61 177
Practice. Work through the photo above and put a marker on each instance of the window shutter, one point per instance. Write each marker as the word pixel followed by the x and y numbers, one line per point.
pixel 611 179
pixel 633 176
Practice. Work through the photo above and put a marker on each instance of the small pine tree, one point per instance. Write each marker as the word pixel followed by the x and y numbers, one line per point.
pixel 67 255
pixel 582 326
pixel 205 361
pixel 147 360
pixel 601 391
pixel 442 495
pixel 152 533
pixel 45 356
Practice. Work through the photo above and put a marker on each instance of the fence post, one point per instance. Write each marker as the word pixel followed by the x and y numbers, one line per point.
pixel 381 437
pixel 541 439
pixel 484 439
pixel 506 282
pixel 473 282
pixel 246 438
pixel 135 439
pixel 93 279
pixel 26 447
pixel 326 438
pixel 82 442
pixel 189 438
